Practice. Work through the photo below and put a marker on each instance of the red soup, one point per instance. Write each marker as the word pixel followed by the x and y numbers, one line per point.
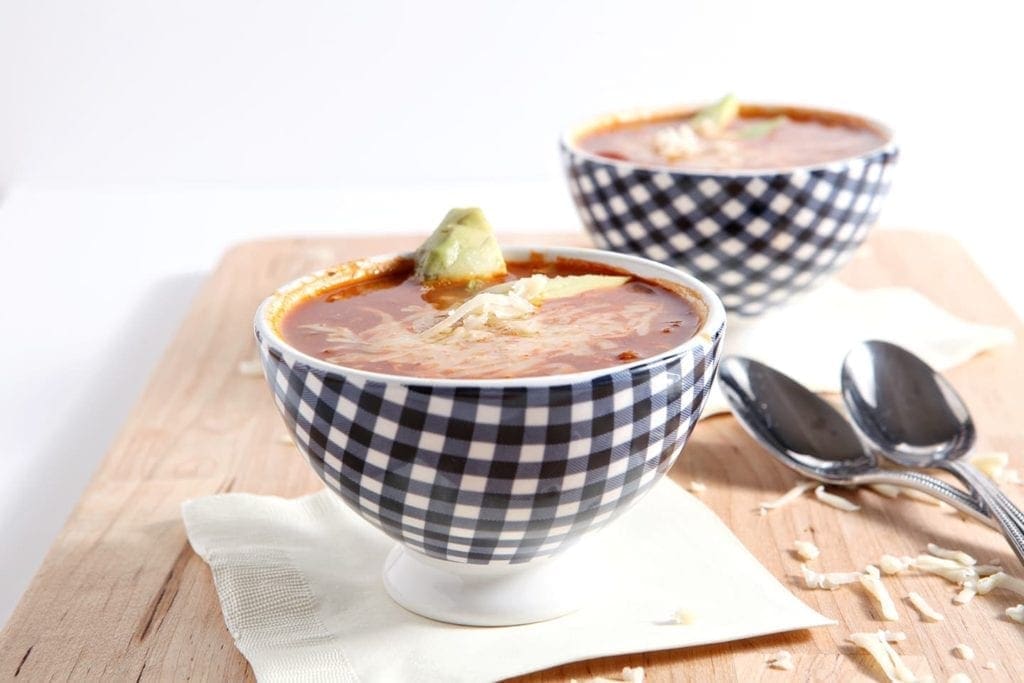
pixel 390 323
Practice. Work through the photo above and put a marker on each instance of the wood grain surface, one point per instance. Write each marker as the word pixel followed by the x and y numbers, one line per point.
pixel 121 595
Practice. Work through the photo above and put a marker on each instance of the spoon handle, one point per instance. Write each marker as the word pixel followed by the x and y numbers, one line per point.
pixel 1004 511
pixel 934 487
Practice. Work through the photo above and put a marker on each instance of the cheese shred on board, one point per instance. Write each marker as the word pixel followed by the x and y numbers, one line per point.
pixel 806 550
pixel 872 582
pixel 883 653
pixel 788 497
pixel 835 501
pixel 922 606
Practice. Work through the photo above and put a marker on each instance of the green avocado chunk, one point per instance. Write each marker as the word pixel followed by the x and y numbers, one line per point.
pixel 570 285
pixel 760 129
pixel 560 286
pixel 462 248
pixel 716 117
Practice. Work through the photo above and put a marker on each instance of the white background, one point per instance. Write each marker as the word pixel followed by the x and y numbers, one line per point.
pixel 139 138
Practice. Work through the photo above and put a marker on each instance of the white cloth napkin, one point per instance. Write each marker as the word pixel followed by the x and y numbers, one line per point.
pixel 809 336
pixel 301 591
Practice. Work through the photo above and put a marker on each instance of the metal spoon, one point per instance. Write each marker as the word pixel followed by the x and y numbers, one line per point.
pixel 808 435
pixel 916 419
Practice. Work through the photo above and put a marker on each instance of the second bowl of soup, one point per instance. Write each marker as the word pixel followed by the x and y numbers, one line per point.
pixel 485 441
pixel 759 204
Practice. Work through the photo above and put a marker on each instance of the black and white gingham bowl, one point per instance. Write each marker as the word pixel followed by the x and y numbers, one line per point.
pixel 755 237
pixel 494 471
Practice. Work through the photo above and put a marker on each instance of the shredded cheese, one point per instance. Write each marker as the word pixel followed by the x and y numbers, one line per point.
pixel 947 554
pixel 892 636
pixel 990 665
pixel 835 501
pixel 684 616
pixel 1016 613
pixel 872 582
pixel 950 570
pixel 959 678
pixel 1000 580
pixel 966 593
pixel 827 581
pixel 992 464
pixel 887 490
pixel 633 674
pixel 698 487
pixel 890 564
pixel 788 497
pixel 806 550
pixel 883 653
pixel 677 142
pixel 783 659
pixel 921 605
pixel 920 496
pixel 963 651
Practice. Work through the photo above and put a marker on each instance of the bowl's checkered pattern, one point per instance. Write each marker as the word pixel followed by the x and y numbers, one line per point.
pixel 492 474
pixel 754 239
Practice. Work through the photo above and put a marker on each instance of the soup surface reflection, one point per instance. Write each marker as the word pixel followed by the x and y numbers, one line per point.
pixel 386 324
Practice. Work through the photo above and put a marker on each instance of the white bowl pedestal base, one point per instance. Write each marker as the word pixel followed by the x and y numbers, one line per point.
pixel 492 594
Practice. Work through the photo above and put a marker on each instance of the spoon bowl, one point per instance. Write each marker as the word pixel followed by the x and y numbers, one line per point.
pixel 805 433
pixel 915 417
pixel 900 403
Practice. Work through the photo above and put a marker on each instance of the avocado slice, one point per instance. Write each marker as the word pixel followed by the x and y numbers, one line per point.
pixel 562 286
pixel 756 131
pixel 715 118
pixel 558 287
pixel 462 248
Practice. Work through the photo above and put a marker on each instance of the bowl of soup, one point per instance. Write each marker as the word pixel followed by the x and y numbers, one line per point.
pixel 486 442
pixel 759 204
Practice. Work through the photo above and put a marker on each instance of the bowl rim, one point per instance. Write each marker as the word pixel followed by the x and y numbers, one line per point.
pixel 714 321
pixel 570 135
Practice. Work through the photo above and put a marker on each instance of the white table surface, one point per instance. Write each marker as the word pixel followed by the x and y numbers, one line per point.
pixel 97 280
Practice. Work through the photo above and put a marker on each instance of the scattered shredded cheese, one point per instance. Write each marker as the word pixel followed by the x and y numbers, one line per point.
pixel 827 581
pixel 959 678
pixel 1016 613
pixel 892 636
pixel 806 550
pixel 1000 580
pixel 783 659
pixel 890 564
pixel 684 616
pixel 284 438
pixel 872 582
pixel 788 497
pixel 633 674
pixel 250 368
pixel 888 659
pixel 698 487
pixel 947 554
pixel 990 665
pixel 677 142
pixel 835 501
pixel 966 593
pixel 920 496
pixel 950 570
pixel 963 651
pixel 992 464
pixel 921 605
pixel 887 490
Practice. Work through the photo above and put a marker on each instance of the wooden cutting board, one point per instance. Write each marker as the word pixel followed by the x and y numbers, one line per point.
pixel 121 595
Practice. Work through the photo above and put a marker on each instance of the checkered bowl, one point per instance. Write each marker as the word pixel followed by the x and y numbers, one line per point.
pixel 493 471
pixel 755 237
